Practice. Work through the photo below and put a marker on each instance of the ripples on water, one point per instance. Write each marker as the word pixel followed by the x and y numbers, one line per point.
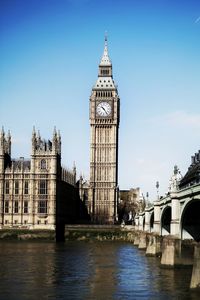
pixel 86 271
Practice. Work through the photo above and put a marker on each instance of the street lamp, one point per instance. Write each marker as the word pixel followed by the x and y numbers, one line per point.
pixel 157 188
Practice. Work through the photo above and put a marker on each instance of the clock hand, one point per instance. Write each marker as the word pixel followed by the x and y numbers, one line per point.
pixel 104 109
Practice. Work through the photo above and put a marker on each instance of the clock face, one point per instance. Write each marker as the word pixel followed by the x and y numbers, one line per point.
pixel 103 109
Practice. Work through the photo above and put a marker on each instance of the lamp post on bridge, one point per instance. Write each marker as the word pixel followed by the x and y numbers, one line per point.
pixel 157 226
pixel 157 189
pixel 147 200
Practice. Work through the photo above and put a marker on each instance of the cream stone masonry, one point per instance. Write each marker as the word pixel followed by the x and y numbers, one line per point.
pixel 104 127
pixel 29 188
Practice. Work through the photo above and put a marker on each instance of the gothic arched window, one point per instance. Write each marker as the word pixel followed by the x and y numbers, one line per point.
pixel 43 164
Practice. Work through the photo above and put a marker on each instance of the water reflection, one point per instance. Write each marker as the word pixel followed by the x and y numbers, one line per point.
pixel 79 270
pixel 103 280
pixel 135 281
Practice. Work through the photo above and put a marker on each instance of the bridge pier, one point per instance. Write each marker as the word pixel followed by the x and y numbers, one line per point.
pixel 142 241
pixel 174 252
pixel 137 239
pixel 195 280
pixel 171 252
pixel 153 245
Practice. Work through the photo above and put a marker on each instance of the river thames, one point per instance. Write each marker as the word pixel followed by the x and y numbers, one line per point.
pixel 87 270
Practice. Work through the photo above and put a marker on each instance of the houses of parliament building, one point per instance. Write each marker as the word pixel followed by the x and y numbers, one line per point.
pixel 32 191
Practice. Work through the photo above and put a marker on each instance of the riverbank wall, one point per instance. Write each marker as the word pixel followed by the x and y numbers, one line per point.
pixel 71 232
pixel 98 233
pixel 27 234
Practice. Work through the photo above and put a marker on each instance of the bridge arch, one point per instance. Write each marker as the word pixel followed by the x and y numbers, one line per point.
pixel 166 217
pixel 151 221
pixel 190 220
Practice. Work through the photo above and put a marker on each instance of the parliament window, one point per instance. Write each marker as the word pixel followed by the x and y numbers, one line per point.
pixel 43 187
pixel 16 187
pixel 42 207
pixel 7 187
pixel 43 164
pixel 25 207
pixel 16 207
pixel 26 187
pixel 6 208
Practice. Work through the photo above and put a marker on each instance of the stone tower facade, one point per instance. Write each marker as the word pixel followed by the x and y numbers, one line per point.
pixel 30 190
pixel 104 126
pixel 46 170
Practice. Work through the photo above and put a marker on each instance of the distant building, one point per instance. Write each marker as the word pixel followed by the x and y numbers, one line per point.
pixel 36 193
pixel 129 204
pixel 83 190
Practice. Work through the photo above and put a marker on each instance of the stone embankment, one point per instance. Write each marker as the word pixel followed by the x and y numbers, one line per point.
pixel 26 234
pixel 98 233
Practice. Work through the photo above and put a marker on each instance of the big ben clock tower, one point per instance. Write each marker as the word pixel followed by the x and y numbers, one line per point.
pixel 104 126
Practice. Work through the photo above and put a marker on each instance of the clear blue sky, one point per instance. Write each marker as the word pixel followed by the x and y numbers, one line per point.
pixel 49 56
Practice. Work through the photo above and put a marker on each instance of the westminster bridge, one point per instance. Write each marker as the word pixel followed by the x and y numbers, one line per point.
pixel 170 227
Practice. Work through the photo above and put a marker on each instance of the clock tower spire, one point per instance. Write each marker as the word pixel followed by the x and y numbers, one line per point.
pixel 105 66
pixel 104 126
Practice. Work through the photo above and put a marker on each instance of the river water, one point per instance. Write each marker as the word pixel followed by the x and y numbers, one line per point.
pixel 87 270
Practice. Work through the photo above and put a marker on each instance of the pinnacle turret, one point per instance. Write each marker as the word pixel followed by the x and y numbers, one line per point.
pixel 5 142
pixel 2 133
